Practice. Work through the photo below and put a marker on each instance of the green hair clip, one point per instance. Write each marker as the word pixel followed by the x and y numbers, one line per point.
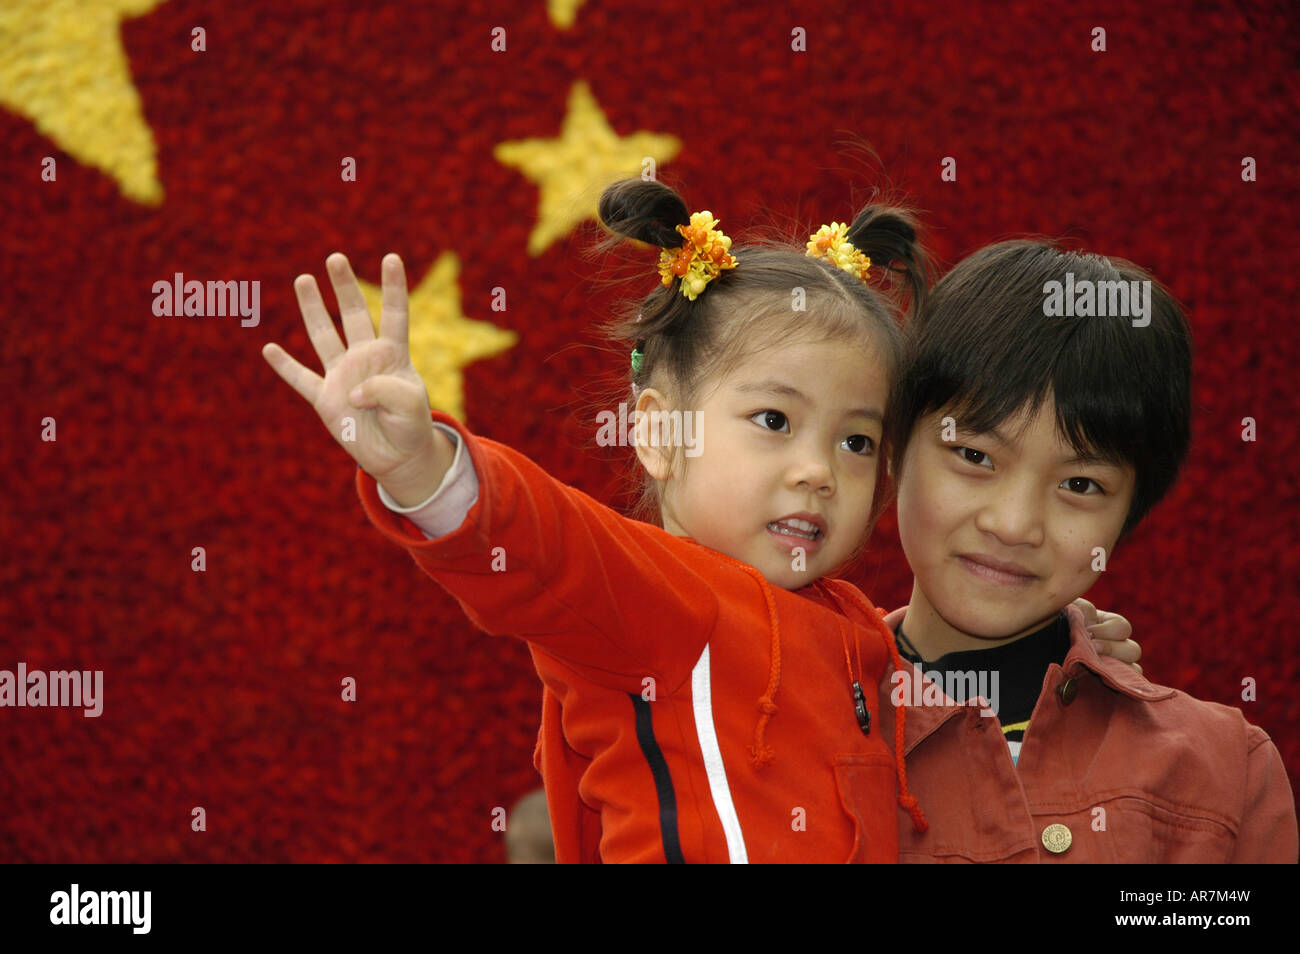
pixel 636 361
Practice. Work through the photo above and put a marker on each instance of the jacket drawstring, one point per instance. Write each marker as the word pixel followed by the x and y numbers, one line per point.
pixel 905 798
pixel 760 753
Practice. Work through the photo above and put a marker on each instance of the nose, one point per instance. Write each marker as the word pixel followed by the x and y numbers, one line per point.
pixel 812 471
pixel 1013 513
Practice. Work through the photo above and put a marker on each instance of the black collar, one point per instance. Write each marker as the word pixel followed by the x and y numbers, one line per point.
pixel 1021 664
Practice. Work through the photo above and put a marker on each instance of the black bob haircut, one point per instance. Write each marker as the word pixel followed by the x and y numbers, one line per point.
pixel 986 346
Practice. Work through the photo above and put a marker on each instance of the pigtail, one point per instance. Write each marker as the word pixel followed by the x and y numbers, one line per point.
pixel 888 236
pixel 662 332
pixel 646 211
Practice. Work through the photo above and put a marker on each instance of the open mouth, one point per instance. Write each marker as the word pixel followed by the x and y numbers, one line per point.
pixel 796 528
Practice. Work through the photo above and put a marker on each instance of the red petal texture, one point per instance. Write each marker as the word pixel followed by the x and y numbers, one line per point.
pixel 222 688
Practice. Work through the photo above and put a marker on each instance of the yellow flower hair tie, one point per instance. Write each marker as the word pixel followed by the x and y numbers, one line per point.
pixel 829 243
pixel 702 258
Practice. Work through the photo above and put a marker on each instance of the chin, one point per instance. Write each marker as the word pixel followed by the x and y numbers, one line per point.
pixel 788 579
pixel 992 625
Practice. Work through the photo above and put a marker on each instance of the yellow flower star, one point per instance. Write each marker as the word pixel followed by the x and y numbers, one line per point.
pixel 442 339
pixel 563 13
pixel 571 170
pixel 62 66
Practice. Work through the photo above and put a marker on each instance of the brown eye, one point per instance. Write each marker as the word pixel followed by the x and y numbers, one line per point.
pixel 860 444
pixel 971 456
pixel 1080 485
pixel 771 420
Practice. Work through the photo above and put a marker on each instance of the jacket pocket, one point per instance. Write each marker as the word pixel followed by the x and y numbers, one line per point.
pixel 1140 829
pixel 868 787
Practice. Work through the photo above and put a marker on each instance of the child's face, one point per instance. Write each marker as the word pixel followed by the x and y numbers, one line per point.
pixel 793 433
pixel 999 529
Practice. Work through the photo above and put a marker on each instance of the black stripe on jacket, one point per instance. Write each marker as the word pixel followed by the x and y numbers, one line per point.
pixel 645 735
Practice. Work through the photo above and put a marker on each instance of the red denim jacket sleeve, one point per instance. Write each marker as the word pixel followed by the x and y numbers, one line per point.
pixel 1268 820
pixel 615 598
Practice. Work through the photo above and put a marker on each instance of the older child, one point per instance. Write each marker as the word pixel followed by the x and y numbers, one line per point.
pixel 1026 442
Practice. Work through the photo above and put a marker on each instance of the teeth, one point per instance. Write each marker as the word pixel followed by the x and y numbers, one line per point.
pixel 796 528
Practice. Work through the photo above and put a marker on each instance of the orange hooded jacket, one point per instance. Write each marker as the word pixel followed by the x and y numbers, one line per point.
pixel 692 711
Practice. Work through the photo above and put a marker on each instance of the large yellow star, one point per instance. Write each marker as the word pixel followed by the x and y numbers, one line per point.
pixel 563 12
pixel 571 170
pixel 442 339
pixel 62 66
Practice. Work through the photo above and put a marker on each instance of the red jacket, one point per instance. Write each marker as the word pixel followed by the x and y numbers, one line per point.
pixel 692 711
pixel 1125 770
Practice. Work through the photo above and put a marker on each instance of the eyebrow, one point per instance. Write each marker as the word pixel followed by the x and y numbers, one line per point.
pixel 1095 460
pixel 773 386
pixel 1090 459
pixel 992 432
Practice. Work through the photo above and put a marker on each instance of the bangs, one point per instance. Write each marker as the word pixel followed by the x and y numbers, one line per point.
pixel 987 350
pixel 1100 414
pixel 787 298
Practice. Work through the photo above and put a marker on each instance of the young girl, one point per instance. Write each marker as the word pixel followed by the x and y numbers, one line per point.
pixel 784 362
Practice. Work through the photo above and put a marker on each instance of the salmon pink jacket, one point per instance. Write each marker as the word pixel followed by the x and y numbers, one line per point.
pixel 1113 768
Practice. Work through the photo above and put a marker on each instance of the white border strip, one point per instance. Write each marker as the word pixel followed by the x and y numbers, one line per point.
pixel 702 701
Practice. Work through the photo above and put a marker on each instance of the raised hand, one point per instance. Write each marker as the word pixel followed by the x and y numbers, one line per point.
pixel 372 382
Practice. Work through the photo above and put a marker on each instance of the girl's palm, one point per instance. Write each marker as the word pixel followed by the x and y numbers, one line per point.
pixel 391 431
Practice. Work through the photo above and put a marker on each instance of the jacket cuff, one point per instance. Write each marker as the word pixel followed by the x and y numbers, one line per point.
pixel 466 538
pixel 449 505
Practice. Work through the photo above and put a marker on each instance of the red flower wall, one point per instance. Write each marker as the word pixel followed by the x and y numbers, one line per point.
pixel 222 687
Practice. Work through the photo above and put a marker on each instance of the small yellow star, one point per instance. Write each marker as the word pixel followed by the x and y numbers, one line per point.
pixel 571 170
pixel 442 339
pixel 62 66
pixel 563 13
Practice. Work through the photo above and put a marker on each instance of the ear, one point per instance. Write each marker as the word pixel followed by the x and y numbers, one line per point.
pixel 656 459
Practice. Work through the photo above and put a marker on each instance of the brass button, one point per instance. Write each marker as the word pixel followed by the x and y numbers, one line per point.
pixel 1057 838
pixel 1069 689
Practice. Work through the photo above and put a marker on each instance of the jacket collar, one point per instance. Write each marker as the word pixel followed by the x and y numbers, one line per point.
pixel 1081 659
pixel 1118 675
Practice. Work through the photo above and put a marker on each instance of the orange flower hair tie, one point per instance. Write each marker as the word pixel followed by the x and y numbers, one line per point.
pixel 829 243
pixel 702 258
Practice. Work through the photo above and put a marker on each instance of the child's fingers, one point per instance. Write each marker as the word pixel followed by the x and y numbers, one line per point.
pixel 316 317
pixel 1112 626
pixel 306 382
pixel 358 327
pixel 384 391
pixel 1124 650
pixel 1089 611
pixel 395 317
